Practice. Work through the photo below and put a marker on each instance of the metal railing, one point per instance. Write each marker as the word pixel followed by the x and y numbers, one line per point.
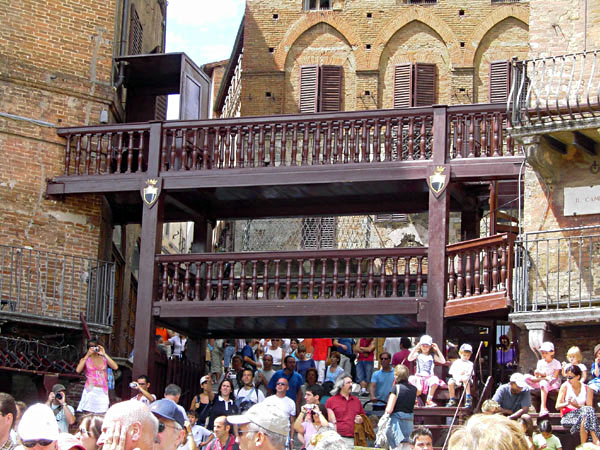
pixel 55 286
pixel 550 89
pixel 558 269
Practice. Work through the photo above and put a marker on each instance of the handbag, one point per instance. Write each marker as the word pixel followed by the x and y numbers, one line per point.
pixel 566 410
pixel 381 439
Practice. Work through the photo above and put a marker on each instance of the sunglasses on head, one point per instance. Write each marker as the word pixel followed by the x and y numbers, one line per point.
pixel 41 442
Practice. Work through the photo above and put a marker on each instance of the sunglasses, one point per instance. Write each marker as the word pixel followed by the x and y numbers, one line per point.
pixel 281 384
pixel 384 358
pixel 162 426
pixel 570 377
pixel 41 442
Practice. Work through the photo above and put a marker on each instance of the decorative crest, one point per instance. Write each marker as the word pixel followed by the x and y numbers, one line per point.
pixel 151 191
pixel 438 180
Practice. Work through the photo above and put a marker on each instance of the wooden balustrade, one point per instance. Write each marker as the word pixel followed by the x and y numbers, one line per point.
pixel 480 266
pixel 358 137
pixel 368 273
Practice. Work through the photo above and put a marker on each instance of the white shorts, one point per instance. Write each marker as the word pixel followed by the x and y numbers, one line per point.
pixel 95 400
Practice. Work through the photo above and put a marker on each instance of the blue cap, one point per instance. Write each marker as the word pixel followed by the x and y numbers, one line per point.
pixel 168 409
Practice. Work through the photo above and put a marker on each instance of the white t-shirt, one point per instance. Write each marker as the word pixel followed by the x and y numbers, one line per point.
pixel 178 345
pixel 391 345
pixel 199 433
pixel 141 398
pixel 461 370
pixel 252 394
pixel 285 404
pixel 425 364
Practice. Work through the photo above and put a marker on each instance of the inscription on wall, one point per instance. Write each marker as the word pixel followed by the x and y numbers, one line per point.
pixel 582 200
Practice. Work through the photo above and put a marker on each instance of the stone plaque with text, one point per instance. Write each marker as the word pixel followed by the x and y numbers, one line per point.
pixel 582 200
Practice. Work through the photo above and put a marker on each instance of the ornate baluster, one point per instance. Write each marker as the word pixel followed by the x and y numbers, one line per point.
pixel 68 154
pixel 98 152
pixel 370 278
pixel 305 144
pixel 460 281
pixel 395 277
pixel 172 150
pixel 459 137
pixel 483 132
pixel 388 140
pixel 220 272
pixel 364 138
pixel 205 155
pixel 254 280
pixel 411 140
pixel 218 149
pixel 451 277
pixel 346 148
pixel 311 279
pixel 326 159
pixel 510 145
pixel 283 160
pixel 358 292
pixel 175 281
pixel 300 277
pixel 419 276
pixel 316 151
pixel 486 273
pixel 323 277
pixel 382 277
pixel 243 292
pixel 195 149
pixel 503 267
pixel 186 281
pixel 347 278
pixel 294 144
pixel 129 151
pixel 88 153
pixel 288 278
pixel 209 266
pixel 272 146
pixel 423 139
pixel 250 147
pixel 197 284
pixel 468 277
pixel 496 142
pixel 353 145
pixel 471 137
pixel 232 295
pixel 239 153
pixel 276 295
pixel 227 138
pixel 476 274
pixel 494 269
pixel 165 281
pixel 339 145
pixel 261 145
pixel 334 286
pixel 376 147
pixel 266 280
pixel 407 276
pixel 140 167
pixel 163 150
pixel 108 157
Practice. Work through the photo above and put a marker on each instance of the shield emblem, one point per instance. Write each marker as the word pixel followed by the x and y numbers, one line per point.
pixel 151 191
pixel 438 180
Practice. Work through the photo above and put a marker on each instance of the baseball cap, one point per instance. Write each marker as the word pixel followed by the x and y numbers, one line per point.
pixel 204 379
pixel 426 340
pixel 58 388
pixel 547 347
pixel 466 348
pixel 67 441
pixel 265 416
pixel 168 409
pixel 519 380
pixel 38 422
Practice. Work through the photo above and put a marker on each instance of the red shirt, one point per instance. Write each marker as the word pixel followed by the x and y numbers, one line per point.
pixel 345 411
pixel 366 356
pixel 320 347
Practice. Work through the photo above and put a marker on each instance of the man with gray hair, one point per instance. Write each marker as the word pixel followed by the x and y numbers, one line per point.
pixel 173 392
pixel 172 424
pixel 262 427
pixel 130 420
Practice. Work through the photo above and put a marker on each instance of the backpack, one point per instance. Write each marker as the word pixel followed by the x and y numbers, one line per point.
pixel 245 403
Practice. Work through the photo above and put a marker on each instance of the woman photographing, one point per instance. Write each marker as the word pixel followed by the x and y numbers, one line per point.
pixel 94 398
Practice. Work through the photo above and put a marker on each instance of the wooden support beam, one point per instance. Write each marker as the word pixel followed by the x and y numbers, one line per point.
pixel 555 144
pixel 585 143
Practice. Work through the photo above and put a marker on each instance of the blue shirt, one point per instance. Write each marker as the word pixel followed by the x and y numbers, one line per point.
pixel 294 380
pixel 329 376
pixel 348 342
pixel 247 351
pixel 384 381
pixel 303 366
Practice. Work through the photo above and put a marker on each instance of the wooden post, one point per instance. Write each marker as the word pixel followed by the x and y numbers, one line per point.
pixel 438 234
pixel 152 220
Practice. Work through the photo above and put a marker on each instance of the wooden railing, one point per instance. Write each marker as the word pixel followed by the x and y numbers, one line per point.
pixel 358 137
pixel 366 273
pixel 480 267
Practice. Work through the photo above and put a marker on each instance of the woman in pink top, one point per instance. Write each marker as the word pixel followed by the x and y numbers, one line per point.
pixel 545 377
pixel 94 397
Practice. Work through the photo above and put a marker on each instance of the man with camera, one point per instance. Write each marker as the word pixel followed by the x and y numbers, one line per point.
pixel 57 401
pixel 142 385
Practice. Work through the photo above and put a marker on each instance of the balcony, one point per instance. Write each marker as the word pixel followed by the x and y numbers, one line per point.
pixel 52 289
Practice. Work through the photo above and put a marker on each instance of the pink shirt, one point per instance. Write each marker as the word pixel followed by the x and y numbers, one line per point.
pixel 96 376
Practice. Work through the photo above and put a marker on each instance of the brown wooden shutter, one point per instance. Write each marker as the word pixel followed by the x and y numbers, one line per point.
pixel 136 33
pixel 424 84
pixel 403 85
pixel 330 88
pixel 309 77
pixel 499 81
pixel 160 111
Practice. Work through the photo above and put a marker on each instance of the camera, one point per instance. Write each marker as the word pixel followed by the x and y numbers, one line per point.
pixel 96 349
pixel 59 396
pixel 133 385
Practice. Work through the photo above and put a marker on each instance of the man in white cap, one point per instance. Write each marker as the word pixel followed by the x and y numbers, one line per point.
pixel 38 429
pixel 131 420
pixel 514 397
pixel 64 413
pixel 262 427
pixel 460 372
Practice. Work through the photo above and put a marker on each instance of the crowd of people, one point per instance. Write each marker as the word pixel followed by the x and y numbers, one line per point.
pixel 273 393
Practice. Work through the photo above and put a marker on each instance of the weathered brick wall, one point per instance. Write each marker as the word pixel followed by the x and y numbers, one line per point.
pixel 367 38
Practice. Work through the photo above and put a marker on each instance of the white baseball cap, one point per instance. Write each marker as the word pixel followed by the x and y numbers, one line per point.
pixel 547 347
pixel 466 348
pixel 426 340
pixel 519 380
pixel 38 422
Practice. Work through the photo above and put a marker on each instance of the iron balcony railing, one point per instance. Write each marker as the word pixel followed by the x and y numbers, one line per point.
pixel 555 88
pixel 47 285
pixel 558 269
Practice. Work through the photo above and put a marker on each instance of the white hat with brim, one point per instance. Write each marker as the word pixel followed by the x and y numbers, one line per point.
pixel 38 422
pixel 519 380
pixel 547 347
pixel 426 340
pixel 269 417
pixel 466 348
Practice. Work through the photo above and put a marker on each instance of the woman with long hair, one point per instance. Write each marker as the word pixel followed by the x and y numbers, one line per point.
pixel 89 430
pixel 201 402
pixel 94 398
pixel 223 404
